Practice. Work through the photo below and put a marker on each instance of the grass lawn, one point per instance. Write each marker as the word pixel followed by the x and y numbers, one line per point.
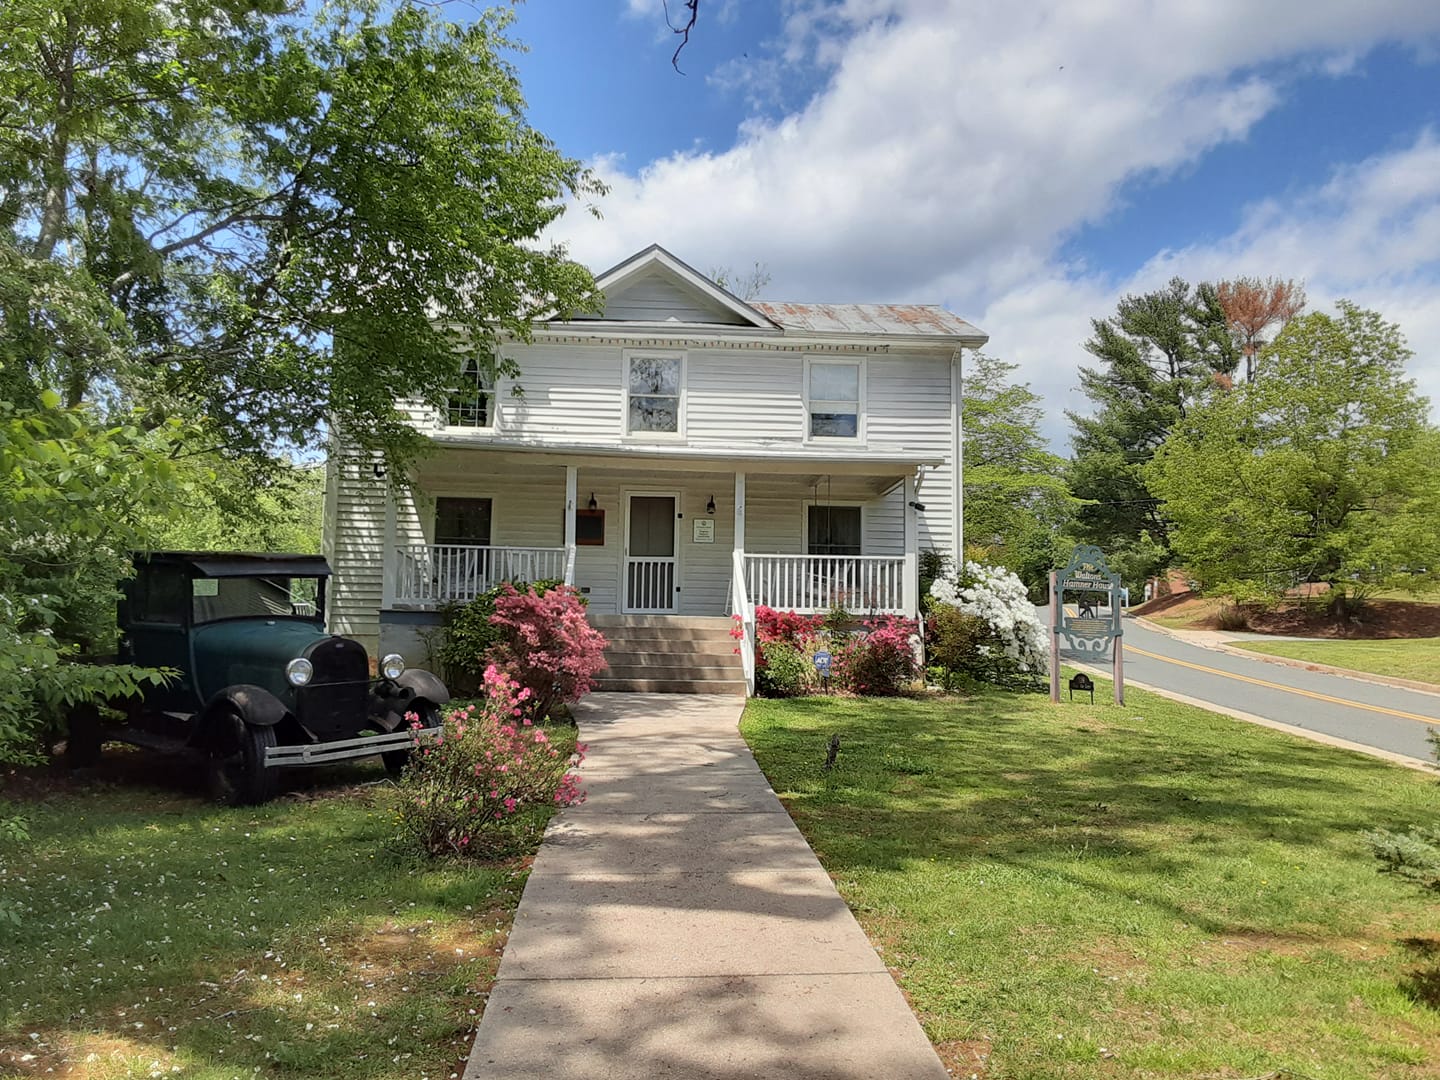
pixel 1403 658
pixel 1095 891
pixel 163 935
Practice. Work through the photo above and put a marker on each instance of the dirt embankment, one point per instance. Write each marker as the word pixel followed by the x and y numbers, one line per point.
pixel 1376 620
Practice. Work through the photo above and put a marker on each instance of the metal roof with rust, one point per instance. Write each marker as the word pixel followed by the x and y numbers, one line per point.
pixel 908 320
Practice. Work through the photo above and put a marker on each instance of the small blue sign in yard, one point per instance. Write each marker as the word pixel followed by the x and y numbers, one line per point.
pixel 822 662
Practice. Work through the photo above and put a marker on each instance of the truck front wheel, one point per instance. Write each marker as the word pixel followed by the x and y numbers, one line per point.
pixel 396 760
pixel 237 772
pixel 84 737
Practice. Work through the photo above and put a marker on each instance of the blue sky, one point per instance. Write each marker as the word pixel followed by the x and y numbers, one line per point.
pixel 1025 164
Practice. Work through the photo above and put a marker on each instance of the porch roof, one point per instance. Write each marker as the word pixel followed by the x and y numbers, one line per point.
pixel 877 460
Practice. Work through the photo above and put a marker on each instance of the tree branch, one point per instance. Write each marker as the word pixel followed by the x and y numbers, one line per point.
pixel 693 7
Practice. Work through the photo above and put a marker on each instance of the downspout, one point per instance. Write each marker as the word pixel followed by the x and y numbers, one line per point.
pixel 957 458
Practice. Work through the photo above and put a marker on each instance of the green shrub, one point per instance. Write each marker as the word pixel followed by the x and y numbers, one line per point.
pixel 466 635
pixel 787 671
pixel 1414 856
pixel 955 644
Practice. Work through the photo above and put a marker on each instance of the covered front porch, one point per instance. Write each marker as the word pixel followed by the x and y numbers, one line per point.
pixel 674 536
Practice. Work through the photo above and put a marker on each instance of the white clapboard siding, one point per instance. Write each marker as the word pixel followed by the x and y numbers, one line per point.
pixel 567 394
pixel 909 405
pixel 657 297
pixel 737 397
pixel 355 544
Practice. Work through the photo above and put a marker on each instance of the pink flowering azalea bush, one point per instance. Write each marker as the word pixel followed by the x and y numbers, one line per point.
pixel 545 645
pixel 882 661
pixel 488 783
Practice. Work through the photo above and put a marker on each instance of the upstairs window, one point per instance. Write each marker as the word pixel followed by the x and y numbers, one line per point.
pixel 653 394
pixel 472 402
pixel 832 399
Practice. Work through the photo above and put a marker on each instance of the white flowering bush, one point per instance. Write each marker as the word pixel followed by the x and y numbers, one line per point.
pixel 983 626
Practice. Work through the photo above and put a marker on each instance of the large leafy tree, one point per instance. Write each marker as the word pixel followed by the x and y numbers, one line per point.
pixel 74 493
pixel 1157 354
pixel 1017 504
pixel 1322 469
pixel 267 215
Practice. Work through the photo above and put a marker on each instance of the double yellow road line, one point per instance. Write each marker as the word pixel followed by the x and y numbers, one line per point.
pixel 1434 721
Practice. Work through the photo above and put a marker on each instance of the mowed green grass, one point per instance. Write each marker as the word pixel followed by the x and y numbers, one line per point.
pixel 162 935
pixel 1405 658
pixel 1140 891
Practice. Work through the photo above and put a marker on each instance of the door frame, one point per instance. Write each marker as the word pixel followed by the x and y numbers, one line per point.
pixel 626 494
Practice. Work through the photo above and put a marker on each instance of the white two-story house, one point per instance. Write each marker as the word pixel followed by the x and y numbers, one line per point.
pixel 680 458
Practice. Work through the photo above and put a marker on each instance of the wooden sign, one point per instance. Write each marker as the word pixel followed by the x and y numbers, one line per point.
pixel 1094 592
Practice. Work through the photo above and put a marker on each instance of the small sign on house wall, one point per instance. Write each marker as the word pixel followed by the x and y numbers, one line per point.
pixel 704 530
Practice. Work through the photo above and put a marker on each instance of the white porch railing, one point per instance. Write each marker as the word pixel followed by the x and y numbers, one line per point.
pixel 431 574
pixel 742 608
pixel 863 584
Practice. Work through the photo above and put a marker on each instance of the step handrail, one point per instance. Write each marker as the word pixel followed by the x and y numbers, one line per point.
pixel 743 611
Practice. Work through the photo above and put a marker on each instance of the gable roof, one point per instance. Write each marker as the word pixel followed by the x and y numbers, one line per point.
pixel 911 320
pixel 656 261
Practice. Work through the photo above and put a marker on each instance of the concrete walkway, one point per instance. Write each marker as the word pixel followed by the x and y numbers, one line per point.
pixel 678 925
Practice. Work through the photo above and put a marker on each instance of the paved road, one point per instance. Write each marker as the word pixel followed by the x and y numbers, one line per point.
pixel 1385 717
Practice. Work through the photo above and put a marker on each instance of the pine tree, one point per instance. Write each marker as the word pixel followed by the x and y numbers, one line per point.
pixel 1157 354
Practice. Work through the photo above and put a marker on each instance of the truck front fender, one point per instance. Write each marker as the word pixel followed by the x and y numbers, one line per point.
pixel 256 707
pixel 393 698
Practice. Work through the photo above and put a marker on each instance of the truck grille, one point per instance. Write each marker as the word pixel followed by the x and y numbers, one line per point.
pixel 333 704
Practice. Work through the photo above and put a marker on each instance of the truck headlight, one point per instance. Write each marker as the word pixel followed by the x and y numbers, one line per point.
pixel 392 666
pixel 299 671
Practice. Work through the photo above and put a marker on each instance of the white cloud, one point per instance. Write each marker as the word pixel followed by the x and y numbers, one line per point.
pixel 957 143
pixel 1370 233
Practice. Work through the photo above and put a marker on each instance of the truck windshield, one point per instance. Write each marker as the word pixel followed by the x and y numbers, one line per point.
pixel 229 598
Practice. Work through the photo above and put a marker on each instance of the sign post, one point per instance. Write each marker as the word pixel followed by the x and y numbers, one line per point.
pixel 1057 606
pixel 1088 575
pixel 822 665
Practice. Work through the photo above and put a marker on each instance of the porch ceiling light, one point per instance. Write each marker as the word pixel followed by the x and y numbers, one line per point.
pixel 710 506
pixel 593 505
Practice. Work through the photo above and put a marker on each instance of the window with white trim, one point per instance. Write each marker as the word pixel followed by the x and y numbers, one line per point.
pixel 472 402
pixel 653 394
pixel 832 399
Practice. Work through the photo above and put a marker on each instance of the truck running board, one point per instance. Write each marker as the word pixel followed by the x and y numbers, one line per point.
pixel 345 749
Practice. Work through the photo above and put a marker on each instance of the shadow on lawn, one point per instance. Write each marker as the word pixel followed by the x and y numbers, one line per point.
pixel 197 911
pixel 1059 792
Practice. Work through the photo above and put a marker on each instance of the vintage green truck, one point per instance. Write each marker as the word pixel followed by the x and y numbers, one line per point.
pixel 257 684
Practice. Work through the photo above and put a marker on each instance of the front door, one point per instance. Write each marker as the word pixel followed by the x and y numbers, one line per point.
pixel 651 581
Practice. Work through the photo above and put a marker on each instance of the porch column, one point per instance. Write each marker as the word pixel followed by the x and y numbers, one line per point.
pixel 912 551
pixel 740 512
pixel 571 474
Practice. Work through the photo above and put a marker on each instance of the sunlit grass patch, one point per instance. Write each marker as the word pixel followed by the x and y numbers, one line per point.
pixel 1404 658
pixel 1148 890
pixel 159 933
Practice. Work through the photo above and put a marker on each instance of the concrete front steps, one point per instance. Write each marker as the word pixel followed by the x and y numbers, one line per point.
pixel 669 654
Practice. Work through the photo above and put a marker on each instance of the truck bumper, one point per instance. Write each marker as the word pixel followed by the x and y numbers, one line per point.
pixel 345 749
